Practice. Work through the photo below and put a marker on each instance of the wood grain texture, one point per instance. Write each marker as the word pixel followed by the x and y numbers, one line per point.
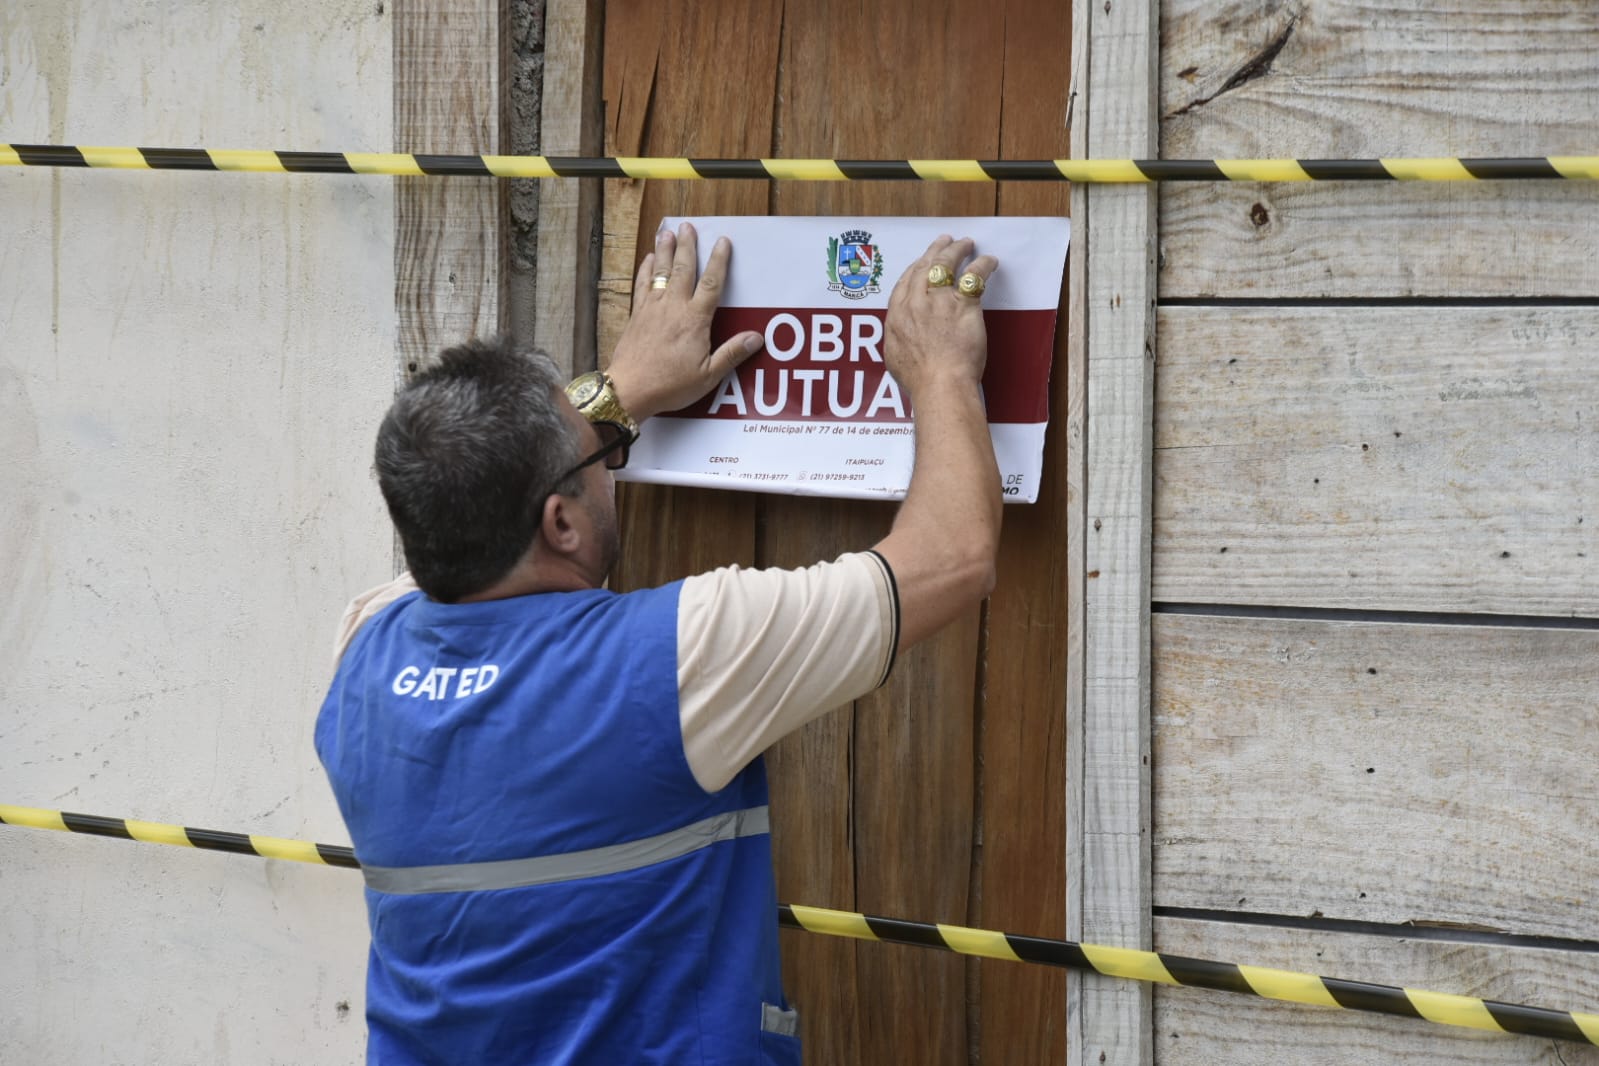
pixel 913 775
pixel 910 750
pixel 624 199
pixel 1377 771
pixel 656 106
pixel 658 60
pixel 872 805
pixel 565 300
pixel 1356 79
pixel 1399 458
pixel 447 254
pixel 1197 1027
pixel 875 807
pixel 1336 78
pixel 632 45
pixel 1326 239
pixel 1076 430
pixel 1109 1021
pixel 815 809
pixel 1020 882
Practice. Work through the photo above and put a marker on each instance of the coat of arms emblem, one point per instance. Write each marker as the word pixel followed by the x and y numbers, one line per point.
pixel 854 264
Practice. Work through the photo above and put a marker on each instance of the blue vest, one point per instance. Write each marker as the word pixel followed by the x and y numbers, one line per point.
pixel 546 881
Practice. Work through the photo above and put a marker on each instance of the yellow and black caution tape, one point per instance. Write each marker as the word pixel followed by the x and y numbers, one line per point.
pixel 182 836
pixel 1128 963
pixel 1158 967
pixel 1088 171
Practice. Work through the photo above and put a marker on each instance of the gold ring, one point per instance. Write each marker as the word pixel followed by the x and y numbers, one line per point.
pixel 940 276
pixel 971 284
pixel 659 281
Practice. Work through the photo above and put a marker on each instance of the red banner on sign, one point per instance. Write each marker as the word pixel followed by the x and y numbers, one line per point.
pixel 827 365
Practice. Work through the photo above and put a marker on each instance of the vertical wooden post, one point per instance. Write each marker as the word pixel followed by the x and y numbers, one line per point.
pixel 447 232
pixel 566 290
pixel 1112 364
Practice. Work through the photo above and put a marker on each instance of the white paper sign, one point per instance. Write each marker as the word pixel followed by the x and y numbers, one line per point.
pixel 816 412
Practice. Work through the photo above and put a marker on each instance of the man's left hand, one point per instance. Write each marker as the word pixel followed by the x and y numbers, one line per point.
pixel 664 359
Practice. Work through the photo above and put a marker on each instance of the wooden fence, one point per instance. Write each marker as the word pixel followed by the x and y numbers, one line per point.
pixel 1296 660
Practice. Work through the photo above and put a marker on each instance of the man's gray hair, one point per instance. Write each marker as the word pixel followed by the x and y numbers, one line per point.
pixel 466 457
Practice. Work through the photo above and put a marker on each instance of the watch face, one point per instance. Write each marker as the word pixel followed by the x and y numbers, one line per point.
pixel 583 391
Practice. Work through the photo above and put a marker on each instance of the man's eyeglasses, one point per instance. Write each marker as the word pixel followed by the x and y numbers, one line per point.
pixel 614 444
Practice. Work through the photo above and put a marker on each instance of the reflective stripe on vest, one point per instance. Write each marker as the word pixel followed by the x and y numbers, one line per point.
pixel 568 866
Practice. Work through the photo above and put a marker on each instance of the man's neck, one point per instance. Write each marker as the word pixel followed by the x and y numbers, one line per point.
pixel 532 576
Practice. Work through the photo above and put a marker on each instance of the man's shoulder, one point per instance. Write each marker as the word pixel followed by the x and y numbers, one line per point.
pixel 367 606
pixel 863 568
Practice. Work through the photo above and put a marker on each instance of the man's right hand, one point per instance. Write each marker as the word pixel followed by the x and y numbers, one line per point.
pixel 946 534
pixel 935 331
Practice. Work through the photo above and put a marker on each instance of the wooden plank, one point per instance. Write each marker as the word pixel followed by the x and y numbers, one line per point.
pixel 652 100
pixel 632 45
pixel 565 295
pixel 447 233
pixel 657 104
pixel 914 790
pixel 1251 78
pixel 1419 458
pixel 659 109
pixel 1502 239
pixel 1108 897
pixel 873 810
pixel 1076 425
pixel 814 807
pixel 1019 879
pixel 1378 771
pixel 1196 1027
pixel 908 754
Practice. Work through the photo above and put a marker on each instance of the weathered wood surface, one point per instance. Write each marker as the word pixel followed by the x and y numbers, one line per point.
pixel 1350 79
pixel 1074 428
pixel 1020 882
pixel 878 807
pixel 656 108
pixel 816 812
pixel 914 797
pixel 910 752
pixel 1328 239
pixel 1377 771
pixel 1437 459
pixel 447 253
pixel 654 95
pixel 1252 78
pixel 1108 892
pixel 668 533
pixel 1197 1027
pixel 564 297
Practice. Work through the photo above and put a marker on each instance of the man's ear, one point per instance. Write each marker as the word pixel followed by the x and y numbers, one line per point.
pixel 557 526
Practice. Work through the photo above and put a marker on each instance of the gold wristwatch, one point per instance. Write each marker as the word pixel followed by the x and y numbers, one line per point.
pixel 594 395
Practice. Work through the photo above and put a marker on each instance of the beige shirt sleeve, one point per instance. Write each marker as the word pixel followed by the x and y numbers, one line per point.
pixel 762 652
pixel 364 606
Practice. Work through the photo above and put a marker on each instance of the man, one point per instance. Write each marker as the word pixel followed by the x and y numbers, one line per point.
pixel 556 791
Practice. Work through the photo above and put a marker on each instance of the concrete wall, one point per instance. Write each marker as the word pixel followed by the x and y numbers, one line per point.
pixel 191 371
